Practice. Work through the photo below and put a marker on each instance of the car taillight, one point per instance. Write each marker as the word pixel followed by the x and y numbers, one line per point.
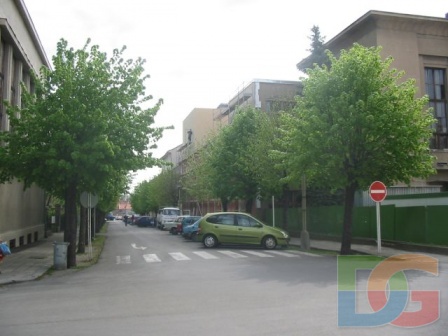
pixel 199 230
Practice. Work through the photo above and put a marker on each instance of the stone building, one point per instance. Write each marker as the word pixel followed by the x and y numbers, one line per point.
pixel 22 219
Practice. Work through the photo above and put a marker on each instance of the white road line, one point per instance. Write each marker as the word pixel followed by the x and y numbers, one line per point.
pixel 150 258
pixel 309 254
pixel 179 256
pixel 232 254
pixel 123 259
pixel 284 254
pixel 205 255
pixel 258 254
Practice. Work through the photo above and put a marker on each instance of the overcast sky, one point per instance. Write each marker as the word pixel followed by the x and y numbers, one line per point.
pixel 199 52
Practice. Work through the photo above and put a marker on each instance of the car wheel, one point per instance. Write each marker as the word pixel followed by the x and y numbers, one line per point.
pixel 173 231
pixel 269 243
pixel 194 236
pixel 210 241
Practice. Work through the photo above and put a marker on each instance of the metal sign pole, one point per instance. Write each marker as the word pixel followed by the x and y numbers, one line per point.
pixel 378 226
pixel 89 224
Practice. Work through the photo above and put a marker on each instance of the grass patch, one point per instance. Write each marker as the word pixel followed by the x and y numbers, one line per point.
pixel 84 260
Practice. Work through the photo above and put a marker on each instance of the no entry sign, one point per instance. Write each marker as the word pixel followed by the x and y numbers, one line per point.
pixel 377 191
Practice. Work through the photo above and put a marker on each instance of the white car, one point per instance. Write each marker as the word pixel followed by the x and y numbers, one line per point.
pixel 172 226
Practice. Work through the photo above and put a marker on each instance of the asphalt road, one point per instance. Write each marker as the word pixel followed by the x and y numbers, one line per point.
pixel 149 282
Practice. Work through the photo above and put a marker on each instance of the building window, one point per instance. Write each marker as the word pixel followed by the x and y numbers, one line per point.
pixel 435 83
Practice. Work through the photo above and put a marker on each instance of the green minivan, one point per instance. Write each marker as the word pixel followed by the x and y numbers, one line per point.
pixel 240 229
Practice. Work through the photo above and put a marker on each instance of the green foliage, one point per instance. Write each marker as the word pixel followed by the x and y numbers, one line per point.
pixel 357 123
pixel 85 126
pixel 144 198
pixel 263 165
pixel 197 181
pixel 162 190
pixel 318 55
pixel 232 161
pixel 83 123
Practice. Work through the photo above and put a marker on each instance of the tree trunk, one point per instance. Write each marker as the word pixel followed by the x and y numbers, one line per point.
pixel 82 230
pixel 224 204
pixel 70 224
pixel 348 219
pixel 285 205
pixel 249 203
pixel 100 215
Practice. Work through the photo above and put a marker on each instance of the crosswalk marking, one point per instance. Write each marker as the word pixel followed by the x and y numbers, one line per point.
pixel 149 258
pixel 179 256
pixel 308 254
pixel 205 255
pixel 258 254
pixel 233 254
pixel 123 259
pixel 284 254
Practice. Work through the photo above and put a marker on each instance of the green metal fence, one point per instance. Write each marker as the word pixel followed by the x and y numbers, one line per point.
pixel 426 225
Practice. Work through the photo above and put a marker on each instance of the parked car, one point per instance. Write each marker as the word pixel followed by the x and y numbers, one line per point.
pixel 171 226
pixel 110 216
pixel 191 231
pixel 145 221
pixel 239 228
pixel 186 221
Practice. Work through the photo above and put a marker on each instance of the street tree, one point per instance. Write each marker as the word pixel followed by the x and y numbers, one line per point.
pixel 317 49
pixel 358 121
pixel 165 187
pixel 197 180
pixel 268 173
pixel 232 160
pixel 86 121
pixel 144 198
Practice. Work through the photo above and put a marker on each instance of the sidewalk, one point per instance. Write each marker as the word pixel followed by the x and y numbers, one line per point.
pixel 31 262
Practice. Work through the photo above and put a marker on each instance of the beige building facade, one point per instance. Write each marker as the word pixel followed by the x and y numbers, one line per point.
pixel 22 219
pixel 419 47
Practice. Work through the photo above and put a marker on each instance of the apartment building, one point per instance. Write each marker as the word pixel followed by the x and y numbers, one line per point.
pixel 22 219
pixel 264 94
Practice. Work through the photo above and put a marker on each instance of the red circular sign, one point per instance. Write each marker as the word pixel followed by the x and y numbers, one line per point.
pixel 378 191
